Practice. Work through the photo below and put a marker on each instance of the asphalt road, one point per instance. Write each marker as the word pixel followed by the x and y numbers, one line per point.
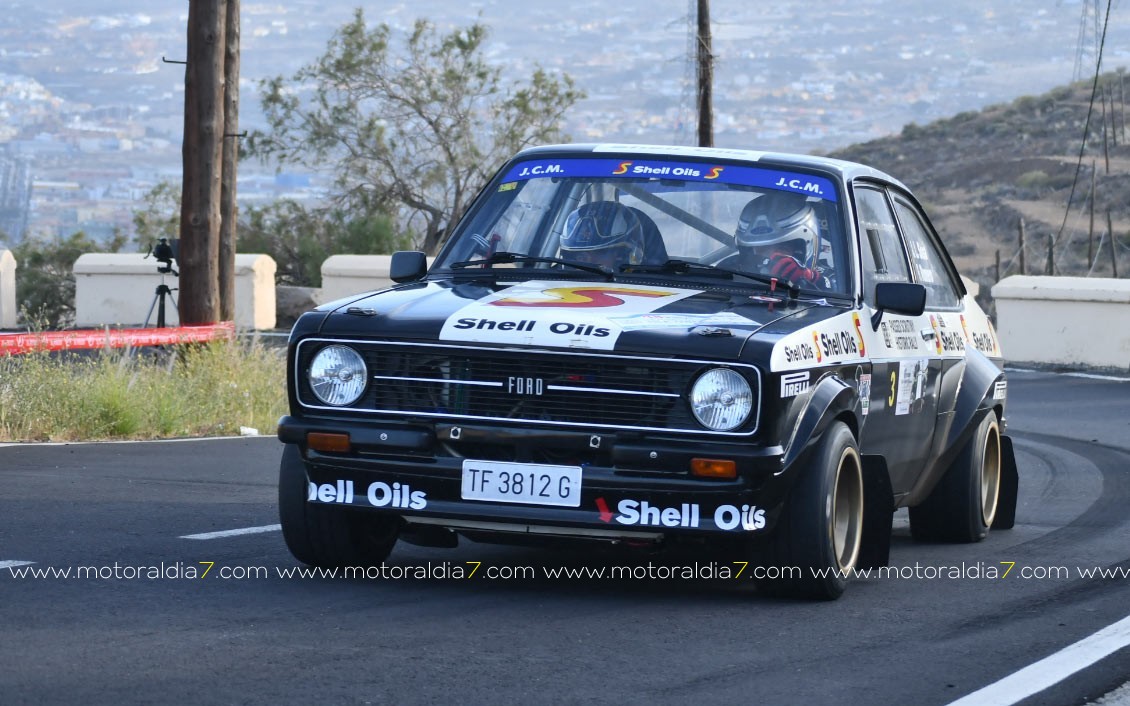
pixel 146 624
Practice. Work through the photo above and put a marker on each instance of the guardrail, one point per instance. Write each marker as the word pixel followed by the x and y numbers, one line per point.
pixel 120 288
pixel 7 290
pixel 1081 322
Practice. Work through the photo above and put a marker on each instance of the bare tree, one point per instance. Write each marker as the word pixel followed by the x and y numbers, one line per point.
pixel 414 130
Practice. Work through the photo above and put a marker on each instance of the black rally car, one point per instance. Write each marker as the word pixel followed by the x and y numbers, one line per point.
pixel 765 353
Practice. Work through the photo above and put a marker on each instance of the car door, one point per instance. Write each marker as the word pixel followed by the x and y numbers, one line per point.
pixel 905 364
pixel 932 268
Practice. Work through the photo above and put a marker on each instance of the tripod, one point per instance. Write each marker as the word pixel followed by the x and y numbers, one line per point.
pixel 159 295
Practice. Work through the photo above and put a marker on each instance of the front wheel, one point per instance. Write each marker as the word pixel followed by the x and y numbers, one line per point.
pixel 964 504
pixel 328 536
pixel 816 543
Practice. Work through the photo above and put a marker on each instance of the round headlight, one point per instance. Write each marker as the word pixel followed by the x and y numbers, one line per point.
pixel 721 399
pixel 337 375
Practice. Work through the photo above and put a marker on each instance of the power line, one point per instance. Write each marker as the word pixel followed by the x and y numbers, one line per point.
pixel 1087 122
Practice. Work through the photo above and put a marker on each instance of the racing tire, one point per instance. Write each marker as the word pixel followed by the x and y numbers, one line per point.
pixel 964 504
pixel 328 536
pixel 818 539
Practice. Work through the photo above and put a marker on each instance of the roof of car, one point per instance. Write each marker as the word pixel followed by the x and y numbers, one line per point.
pixel 846 170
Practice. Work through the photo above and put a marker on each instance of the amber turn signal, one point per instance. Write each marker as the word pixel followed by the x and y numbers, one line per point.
pixel 714 468
pixel 331 443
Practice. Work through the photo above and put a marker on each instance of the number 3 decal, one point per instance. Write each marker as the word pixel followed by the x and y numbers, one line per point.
pixel 894 384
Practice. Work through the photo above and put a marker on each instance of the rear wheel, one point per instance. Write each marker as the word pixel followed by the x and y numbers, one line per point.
pixel 328 536
pixel 817 541
pixel 964 503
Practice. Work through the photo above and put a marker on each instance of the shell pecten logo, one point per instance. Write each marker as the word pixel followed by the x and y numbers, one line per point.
pixel 583 297
pixel 859 332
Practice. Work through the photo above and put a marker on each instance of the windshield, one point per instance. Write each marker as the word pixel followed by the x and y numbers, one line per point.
pixel 631 216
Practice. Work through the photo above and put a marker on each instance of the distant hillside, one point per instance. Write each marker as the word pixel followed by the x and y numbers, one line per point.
pixel 979 173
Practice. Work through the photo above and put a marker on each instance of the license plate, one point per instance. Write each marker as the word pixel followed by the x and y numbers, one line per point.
pixel 529 483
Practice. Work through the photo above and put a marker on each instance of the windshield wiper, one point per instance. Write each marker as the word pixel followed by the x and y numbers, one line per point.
pixel 506 258
pixel 684 266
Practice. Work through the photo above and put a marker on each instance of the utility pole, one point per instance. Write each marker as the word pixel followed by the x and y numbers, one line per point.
pixel 230 164
pixel 201 155
pixel 705 76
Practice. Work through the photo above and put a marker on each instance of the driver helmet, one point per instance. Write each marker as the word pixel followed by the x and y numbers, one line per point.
pixel 780 219
pixel 603 233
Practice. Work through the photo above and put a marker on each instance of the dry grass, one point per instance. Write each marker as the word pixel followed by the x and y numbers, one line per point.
pixel 204 390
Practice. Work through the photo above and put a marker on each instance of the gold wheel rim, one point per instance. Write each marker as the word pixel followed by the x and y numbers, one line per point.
pixel 990 475
pixel 847 510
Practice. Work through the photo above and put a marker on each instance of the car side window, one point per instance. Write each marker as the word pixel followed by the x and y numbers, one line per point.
pixel 929 266
pixel 880 246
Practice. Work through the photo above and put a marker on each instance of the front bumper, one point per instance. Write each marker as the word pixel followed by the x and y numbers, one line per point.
pixel 633 486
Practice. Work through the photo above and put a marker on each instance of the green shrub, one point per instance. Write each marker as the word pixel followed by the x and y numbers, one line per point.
pixel 203 390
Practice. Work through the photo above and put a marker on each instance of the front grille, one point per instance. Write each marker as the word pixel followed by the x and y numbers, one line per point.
pixel 532 387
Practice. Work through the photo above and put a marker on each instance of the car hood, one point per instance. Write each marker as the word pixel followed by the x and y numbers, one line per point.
pixel 625 317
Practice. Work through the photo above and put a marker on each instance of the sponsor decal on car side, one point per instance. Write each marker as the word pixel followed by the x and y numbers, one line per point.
pixel 562 316
pixel 911 386
pixel 864 394
pixel 840 339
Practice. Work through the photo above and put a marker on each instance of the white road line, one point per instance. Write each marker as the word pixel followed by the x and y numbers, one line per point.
pixel 233 533
pixel 1052 669
pixel 11 564
pixel 1087 376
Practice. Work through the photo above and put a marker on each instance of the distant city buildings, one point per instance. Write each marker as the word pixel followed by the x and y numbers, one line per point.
pixel 91 101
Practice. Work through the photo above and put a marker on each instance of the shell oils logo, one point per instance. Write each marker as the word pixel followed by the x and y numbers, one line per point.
pixel 859 333
pixel 623 168
pixel 965 328
pixel 587 297
pixel 714 173
pixel 937 333
pixel 816 344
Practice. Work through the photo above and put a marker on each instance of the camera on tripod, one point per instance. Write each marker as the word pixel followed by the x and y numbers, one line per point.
pixel 165 254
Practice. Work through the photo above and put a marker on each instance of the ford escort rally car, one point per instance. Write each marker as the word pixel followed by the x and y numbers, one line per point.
pixel 762 353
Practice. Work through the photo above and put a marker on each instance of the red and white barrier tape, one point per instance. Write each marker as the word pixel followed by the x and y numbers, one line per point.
pixel 16 343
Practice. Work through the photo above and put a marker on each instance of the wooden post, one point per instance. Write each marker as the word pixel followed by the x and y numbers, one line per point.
pixel 201 155
pixel 1122 100
pixel 1049 268
pixel 998 268
pixel 1091 231
pixel 1023 267
pixel 230 164
pixel 1113 249
pixel 705 77
pixel 1106 147
pixel 1114 115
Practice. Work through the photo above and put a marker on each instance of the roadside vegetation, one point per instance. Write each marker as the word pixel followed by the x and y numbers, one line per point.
pixel 206 390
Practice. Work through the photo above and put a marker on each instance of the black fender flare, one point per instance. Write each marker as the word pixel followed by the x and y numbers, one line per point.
pixel 832 398
pixel 975 399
